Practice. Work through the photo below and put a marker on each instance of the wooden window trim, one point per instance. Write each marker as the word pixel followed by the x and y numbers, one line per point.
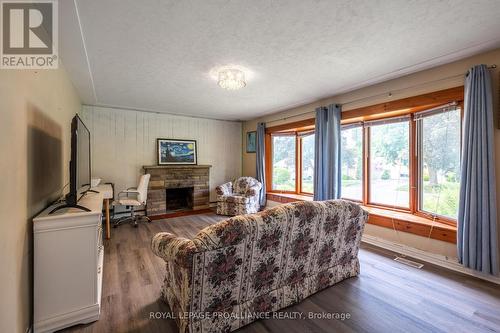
pixel 269 179
pixel 296 126
pixel 369 201
pixel 414 186
pixel 404 106
pixel 417 211
pixel 298 164
pixel 390 109
pixel 300 138
pixel 411 223
pixel 298 159
pixel 287 197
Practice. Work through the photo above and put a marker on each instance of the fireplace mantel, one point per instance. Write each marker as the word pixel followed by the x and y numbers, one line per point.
pixel 165 177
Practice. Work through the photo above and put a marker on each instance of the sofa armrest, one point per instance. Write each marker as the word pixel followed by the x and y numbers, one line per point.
pixel 224 189
pixel 173 249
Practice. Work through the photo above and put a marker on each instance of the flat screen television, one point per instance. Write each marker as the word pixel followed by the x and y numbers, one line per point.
pixel 79 165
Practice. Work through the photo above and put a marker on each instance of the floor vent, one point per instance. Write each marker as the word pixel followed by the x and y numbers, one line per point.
pixel 408 262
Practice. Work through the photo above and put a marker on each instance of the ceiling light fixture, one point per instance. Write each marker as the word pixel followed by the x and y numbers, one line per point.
pixel 231 79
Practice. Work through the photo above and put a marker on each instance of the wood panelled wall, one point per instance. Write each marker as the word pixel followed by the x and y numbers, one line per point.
pixel 125 140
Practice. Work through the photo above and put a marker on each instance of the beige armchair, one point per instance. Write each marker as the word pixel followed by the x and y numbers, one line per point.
pixel 238 198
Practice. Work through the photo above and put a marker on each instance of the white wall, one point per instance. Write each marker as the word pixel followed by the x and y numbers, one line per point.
pixel 125 140
pixel 36 108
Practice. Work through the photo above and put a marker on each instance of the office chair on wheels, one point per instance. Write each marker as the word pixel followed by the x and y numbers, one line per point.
pixel 133 197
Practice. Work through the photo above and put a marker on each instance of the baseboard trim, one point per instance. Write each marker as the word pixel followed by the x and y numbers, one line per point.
pixel 80 316
pixel 435 259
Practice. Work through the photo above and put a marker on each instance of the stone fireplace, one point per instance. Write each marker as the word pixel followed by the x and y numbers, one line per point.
pixel 177 187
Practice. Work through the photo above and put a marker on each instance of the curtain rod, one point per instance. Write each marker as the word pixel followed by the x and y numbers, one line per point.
pixel 376 95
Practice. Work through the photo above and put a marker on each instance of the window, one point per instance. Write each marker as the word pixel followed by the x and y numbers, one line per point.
pixel 439 166
pixel 389 162
pixel 352 162
pixel 284 163
pixel 401 156
pixel 290 159
pixel 422 148
pixel 307 163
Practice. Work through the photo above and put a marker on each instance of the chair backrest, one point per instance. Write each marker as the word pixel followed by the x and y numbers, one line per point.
pixel 142 188
pixel 242 184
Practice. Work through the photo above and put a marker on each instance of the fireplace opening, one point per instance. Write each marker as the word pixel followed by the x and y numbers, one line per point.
pixel 179 198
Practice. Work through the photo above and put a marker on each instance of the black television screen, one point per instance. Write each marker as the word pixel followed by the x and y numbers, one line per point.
pixel 80 161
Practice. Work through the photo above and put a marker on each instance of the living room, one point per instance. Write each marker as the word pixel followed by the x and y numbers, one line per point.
pixel 255 166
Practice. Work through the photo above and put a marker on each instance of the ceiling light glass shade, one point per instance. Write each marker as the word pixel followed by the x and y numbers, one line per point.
pixel 231 79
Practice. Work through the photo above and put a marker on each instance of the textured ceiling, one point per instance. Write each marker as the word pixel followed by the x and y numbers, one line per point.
pixel 157 55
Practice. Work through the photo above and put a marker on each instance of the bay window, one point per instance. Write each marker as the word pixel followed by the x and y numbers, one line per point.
pixel 398 157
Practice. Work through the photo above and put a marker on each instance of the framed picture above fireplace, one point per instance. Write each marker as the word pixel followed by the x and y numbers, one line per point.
pixel 173 151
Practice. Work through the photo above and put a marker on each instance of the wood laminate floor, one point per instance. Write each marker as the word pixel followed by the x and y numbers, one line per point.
pixel 386 297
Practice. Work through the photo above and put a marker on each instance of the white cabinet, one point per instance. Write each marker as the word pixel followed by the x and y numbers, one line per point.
pixel 68 265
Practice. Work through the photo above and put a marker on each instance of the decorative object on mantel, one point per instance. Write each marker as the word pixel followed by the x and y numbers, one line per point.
pixel 179 188
pixel 176 152
pixel 251 142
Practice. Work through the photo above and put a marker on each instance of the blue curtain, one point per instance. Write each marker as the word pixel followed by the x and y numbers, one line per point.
pixel 477 216
pixel 260 156
pixel 327 153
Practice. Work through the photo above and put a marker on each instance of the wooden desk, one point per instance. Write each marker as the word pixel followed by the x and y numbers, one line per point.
pixel 107 193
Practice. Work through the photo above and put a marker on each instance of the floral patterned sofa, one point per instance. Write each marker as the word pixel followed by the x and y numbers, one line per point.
pixel 236 271
pixel 238 198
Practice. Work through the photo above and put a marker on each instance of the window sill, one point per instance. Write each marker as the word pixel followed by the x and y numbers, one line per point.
pixel 413 224
pixel 287 197
pixel 386 218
